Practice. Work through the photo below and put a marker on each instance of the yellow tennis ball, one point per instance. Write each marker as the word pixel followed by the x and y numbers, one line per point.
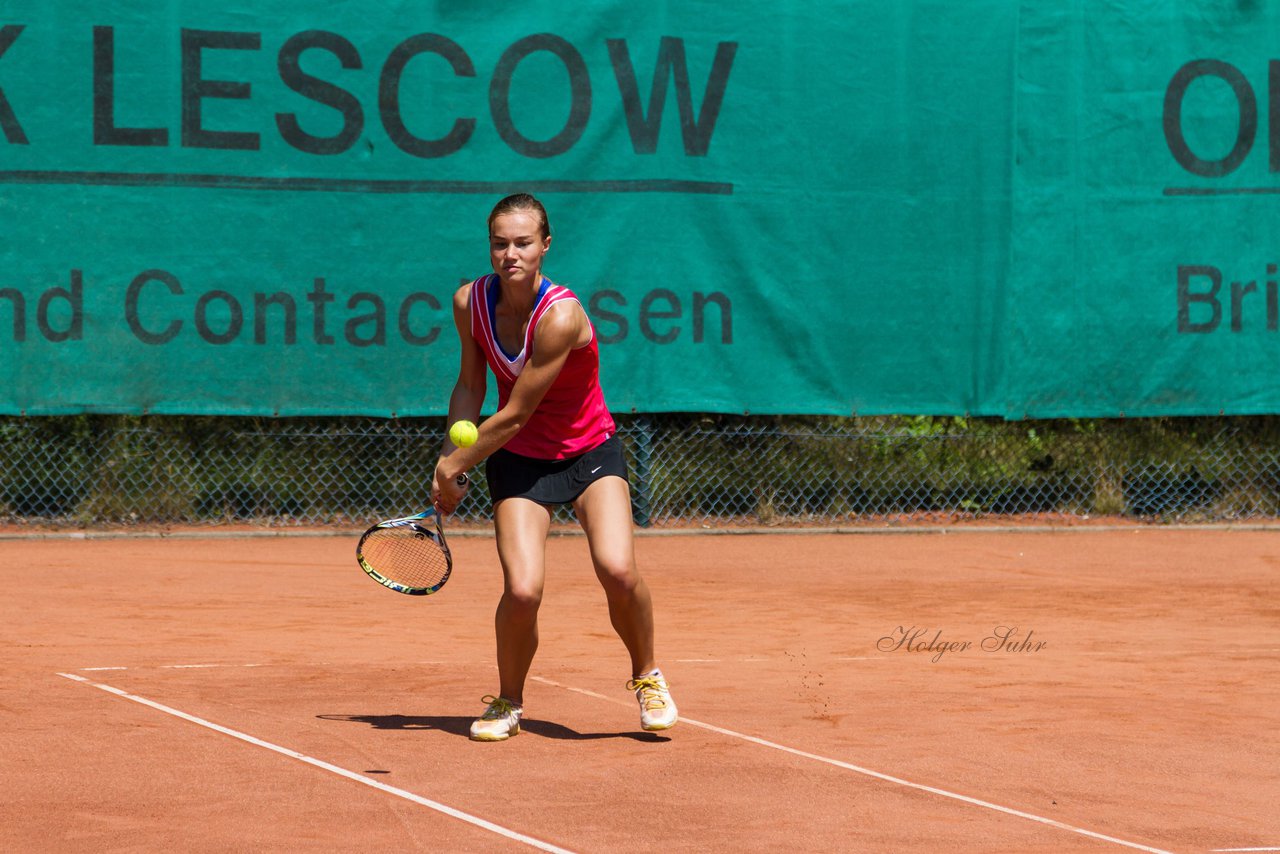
pixel 463 434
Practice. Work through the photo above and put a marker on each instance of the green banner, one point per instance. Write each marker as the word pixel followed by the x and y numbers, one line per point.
pixel 1015 209
pixel 1145 236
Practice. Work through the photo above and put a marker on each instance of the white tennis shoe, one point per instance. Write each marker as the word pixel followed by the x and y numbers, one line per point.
pixel 657 709
pixel 499 722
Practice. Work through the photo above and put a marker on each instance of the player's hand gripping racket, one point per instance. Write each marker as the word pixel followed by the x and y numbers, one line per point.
pixel 406 555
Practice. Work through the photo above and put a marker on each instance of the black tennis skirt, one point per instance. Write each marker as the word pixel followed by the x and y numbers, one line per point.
pixel 552 481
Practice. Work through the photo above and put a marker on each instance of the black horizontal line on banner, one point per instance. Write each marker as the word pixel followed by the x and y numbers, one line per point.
pixel 1222 191
pixel 359 185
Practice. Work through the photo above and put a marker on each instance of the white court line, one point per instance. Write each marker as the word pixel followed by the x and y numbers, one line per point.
pixel 319 763
pixel 1216 652
pixel 876 774
pixel 220 666
pixel 170 667
pixel 759 660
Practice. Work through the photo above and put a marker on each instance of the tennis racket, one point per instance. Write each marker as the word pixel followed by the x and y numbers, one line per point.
pixel 408 555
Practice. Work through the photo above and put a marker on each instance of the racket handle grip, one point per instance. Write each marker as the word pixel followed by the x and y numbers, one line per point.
pixel 462 479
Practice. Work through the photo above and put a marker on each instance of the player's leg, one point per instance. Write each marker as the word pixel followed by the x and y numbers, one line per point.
pixel 521 528
pixel 604 511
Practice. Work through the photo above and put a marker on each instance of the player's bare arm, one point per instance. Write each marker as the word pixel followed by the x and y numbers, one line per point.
pixel 559 330
pixel 466 399
pixel 469 390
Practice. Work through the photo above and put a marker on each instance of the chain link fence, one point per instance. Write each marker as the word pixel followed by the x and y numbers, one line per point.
pixel 687 469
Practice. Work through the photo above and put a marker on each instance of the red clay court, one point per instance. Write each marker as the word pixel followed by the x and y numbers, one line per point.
pixel 223 693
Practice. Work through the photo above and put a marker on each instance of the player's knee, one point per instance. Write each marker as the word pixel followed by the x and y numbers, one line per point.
pixel 619 577
pixel 523 600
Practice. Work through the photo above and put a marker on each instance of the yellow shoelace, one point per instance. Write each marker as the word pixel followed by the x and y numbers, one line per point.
pixel 499 708
pixel 652 691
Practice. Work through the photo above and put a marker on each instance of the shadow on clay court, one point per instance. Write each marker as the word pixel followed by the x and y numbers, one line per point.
pixel 461 726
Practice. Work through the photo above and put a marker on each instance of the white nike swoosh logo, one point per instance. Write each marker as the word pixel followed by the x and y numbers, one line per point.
pixel 596 469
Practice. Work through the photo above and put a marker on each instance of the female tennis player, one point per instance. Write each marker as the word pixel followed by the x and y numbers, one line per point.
pixel 551 442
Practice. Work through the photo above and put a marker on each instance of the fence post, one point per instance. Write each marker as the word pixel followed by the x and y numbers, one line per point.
pixel 644 459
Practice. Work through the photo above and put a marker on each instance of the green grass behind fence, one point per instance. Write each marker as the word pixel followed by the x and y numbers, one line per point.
pixel 686 467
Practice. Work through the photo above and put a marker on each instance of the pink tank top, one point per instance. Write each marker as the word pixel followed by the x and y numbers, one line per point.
pixel 572 418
